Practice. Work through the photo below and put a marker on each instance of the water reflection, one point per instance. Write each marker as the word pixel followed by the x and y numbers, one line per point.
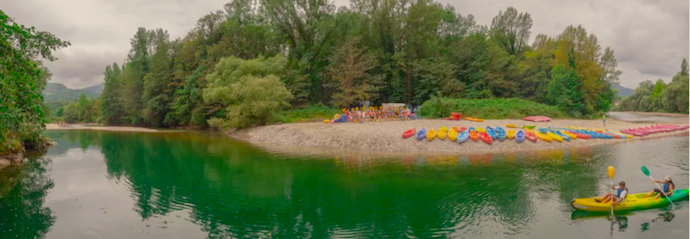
pixel 229 189
pixel 22 197
pixel 662 217
pixel 234 190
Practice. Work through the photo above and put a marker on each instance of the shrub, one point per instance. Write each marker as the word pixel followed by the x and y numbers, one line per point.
pixel 311 113
pixel 514 108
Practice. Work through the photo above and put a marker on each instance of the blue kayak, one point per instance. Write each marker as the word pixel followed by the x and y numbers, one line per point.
pixel 520 136
pixel 421 134
pixel 462 137
pixel 501 133
pixel 565 137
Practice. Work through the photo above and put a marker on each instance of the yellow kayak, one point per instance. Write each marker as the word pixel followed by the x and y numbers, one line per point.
pixel 543 136
pixel 441 134
pixel 511 126
pixel 554 136
pixel 453 135
pixel 431 134
pixel 572 136
pixel 510 134
pixel 635 201
pixel 443 129
pixel 480 130
pixel 627 135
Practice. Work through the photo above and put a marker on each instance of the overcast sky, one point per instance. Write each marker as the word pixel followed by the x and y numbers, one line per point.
pixel 650 38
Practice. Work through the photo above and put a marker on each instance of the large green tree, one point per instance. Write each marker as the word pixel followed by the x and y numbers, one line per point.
pixel 511 30
pixel 22 79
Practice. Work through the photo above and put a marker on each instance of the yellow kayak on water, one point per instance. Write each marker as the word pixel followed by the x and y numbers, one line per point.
pixel 543 136
pixel 554 136
pixel 480 130
pixel 431 134
pixel 637 201
pixel 441 134
pixel 453 135
pixel 510 134
pixel 572 136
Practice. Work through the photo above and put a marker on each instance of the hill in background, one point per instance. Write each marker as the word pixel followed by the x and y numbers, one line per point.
pixel 57 95
pixel 623 92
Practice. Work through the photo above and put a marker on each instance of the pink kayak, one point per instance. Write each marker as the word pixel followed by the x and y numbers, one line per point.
pixel 659 128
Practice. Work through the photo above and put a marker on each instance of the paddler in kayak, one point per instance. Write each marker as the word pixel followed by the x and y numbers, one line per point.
pixel 619 197
pixel 668 187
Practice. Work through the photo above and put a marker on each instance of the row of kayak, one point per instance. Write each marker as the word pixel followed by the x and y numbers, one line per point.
pixel 490 134
pixel 661 128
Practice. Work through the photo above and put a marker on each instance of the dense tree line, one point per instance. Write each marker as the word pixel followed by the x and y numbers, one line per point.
pixel 83 111
pixel 22 79
pixel 660 97
pixel 381 51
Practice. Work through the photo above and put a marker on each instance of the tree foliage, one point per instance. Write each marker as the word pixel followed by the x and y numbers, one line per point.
pixel 660 97
pixel 22 79
pixel 248 90
pixel 371 50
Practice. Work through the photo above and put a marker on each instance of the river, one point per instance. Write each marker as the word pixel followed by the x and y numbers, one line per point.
pixel 199 185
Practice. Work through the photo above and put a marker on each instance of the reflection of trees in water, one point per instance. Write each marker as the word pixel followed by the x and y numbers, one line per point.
pixel 69 139
pixel 23 192
pixel 236 190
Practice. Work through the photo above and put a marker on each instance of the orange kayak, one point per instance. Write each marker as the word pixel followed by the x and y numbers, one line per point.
pixel 474 119
pixel 474 136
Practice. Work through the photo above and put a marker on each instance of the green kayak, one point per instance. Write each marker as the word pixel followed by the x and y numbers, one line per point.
pixel 636 201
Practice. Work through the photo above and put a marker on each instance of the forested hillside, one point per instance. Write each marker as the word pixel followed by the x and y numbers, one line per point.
pixel 660 97
pixel 243 64
pixel 57 96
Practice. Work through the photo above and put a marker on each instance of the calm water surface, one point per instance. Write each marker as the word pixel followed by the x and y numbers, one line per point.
pixel 194 185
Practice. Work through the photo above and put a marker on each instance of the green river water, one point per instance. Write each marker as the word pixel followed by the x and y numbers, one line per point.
pixel 201 185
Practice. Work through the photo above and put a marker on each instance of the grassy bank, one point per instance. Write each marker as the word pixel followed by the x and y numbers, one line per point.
pixel 509 108
pixel 309 114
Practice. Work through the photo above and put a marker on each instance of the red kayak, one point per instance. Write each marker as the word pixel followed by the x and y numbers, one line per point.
pixel 531 137
pixel 580 136
pixel 409 133
pixel 462 129
pixel 485 137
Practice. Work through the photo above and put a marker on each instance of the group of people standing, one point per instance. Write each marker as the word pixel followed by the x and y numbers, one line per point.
pixel 374 113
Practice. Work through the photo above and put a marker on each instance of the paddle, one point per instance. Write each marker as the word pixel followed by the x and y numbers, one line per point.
pixel 646 172
pixel 611 172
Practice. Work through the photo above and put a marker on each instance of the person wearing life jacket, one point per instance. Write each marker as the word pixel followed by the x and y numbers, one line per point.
pixel 669 186
pixel 619 197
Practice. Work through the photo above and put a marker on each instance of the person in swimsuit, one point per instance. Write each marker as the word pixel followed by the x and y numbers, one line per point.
pixel 668 187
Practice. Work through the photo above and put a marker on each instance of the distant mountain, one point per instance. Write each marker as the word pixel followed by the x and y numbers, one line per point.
pixel 96 89
pixel 59 93
pixel 623 92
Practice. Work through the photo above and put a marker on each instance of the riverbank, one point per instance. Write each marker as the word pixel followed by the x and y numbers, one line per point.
pixel 385 137
pixel 100 127
pixel 16 157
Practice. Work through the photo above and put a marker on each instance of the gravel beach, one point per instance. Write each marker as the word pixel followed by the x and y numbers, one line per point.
pixel 386 137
